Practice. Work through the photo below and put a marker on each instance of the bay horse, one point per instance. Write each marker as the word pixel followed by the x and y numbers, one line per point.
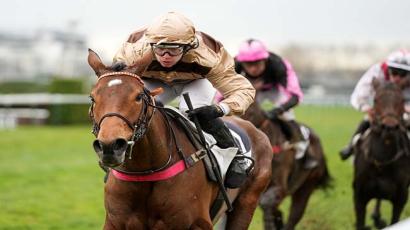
pixel 382 162
pixel 136 139
pixel 288 176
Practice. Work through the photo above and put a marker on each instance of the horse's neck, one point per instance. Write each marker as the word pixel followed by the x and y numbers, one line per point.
pixel 258 118
pixel 274 132
pixel 383 148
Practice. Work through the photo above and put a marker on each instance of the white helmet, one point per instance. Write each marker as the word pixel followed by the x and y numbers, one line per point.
pixel 399 59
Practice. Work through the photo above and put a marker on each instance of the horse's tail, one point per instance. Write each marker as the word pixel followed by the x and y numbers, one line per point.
pixel 326 181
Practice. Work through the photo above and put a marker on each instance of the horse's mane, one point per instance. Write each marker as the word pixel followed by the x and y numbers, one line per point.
pixel 390 86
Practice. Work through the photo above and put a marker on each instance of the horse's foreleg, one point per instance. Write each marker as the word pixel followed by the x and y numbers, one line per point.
pixel 360 204
pixel 300 200
pixel 241 216
pixel 245 204
pixel 398 205
pixel 269 203
pixel 377 220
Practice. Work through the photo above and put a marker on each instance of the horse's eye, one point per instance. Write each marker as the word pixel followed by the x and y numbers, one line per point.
pixel 139 97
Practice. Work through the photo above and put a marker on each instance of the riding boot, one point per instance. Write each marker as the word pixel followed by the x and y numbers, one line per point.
pixel 241 165
pixel 347 151
pixel 300 136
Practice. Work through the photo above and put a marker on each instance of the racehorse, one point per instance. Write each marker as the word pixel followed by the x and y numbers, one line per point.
pixel 288 175
pixel 381 165
pixel 139 141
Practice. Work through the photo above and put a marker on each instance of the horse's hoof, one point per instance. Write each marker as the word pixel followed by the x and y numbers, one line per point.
pixel 278 223
pixel 380 224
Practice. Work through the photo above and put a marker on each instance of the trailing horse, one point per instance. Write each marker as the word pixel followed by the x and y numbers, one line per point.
pixel 289 177
pixel 381 165
pixel 158 178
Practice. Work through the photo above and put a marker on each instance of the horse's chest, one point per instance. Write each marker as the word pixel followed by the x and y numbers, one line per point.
pixel 378 183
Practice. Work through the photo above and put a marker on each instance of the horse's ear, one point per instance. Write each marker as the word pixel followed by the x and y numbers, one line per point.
pixel 139 65
pixel 376 83
pixel 95 62
pixel 156 91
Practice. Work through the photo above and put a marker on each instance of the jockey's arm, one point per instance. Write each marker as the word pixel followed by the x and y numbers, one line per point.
pixel 292 102
pixel 237 91
pixel 363 92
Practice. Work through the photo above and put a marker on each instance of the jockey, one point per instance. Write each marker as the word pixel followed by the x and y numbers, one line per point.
pixel 275 80
pixel 395 68
pixel 189 61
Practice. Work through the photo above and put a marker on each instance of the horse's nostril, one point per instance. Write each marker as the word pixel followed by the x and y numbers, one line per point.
pixel 120 145
pixel 97 146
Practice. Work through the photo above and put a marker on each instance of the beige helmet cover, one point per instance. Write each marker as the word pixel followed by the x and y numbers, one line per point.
pixel 171 27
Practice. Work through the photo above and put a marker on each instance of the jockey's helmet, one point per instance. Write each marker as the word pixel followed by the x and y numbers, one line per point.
pixel 399 59
pixel 252 50
pixel 171 28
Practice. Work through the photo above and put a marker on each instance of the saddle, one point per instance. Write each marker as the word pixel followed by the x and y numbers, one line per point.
pixel 296 134
pixel 220 157
pixel 241 138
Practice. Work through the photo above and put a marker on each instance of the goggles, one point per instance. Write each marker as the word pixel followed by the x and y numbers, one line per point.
pixel 171 49
pixel 253 63
pixel 398 72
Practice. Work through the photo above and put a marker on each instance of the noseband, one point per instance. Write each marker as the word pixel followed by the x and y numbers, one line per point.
pixel 378 121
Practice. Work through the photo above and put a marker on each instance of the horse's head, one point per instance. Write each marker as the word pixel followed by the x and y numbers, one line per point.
pixel 120 110
pixel 258 117
pixel 255 114
pixel 388 106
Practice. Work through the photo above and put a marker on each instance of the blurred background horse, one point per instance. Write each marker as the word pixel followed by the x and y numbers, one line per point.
pixel 382 162
pixel 289 177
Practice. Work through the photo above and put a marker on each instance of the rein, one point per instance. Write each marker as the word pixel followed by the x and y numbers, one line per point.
pixel 379 119
pixel 399 140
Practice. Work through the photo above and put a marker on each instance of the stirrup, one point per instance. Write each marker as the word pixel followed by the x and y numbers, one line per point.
pixel 239 169
pixel 250 162
pixel 310 163
pixel 301 148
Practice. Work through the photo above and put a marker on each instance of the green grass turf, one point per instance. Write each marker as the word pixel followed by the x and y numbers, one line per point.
pixel 49 177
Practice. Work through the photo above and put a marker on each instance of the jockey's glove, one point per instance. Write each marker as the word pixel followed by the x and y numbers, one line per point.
pixel 275 113
pixel 206 113
pixel 118 66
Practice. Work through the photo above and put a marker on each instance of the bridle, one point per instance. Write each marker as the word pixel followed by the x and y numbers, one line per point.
pixel 377 126
pixel 139 127
pixel 378 119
